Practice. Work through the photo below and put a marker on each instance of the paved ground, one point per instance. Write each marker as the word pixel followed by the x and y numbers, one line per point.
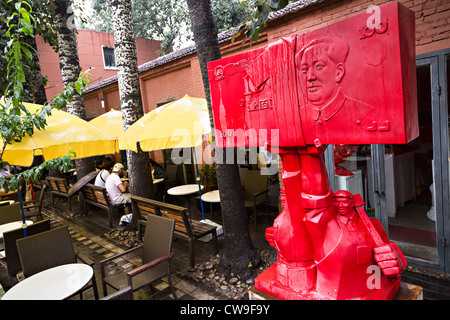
pixel 88 234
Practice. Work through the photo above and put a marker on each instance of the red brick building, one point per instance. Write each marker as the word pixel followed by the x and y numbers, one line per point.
pixel 415 209
pixel 96 52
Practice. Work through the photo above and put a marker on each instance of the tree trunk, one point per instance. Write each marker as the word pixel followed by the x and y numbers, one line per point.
pixel 70 70
pixel 139 171
pixel 36 83
pixel 239 252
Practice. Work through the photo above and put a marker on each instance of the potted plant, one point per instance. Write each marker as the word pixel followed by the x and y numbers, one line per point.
pixel 208 177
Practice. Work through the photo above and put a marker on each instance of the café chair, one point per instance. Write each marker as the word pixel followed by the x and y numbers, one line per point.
pixel 155 255
pixel 10 213
pixel 123 294
pixel 51 249
pixel 171 171
pixel 9 240
pixel 59 187
pixel 33 208
pixel 255 192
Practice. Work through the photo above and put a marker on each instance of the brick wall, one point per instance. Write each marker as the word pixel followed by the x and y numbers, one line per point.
pixel 90 55
pixel 432 20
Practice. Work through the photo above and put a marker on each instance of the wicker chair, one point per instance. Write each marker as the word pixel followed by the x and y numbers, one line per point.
pixel 34 208
pixel 50 249
pixel 10 213
pixel 9 239
pixel 156 254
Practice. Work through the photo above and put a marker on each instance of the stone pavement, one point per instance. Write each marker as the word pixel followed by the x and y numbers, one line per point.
pixel 88 234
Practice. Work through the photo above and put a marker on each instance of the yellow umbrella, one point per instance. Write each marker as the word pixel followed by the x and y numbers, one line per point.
pixel 110 122
pixel 63 132
pixel 178 124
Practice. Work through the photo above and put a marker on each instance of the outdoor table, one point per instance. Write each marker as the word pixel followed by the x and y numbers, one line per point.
pixel 57 283
pixel 186 191
pixel 3 202
pixel 211 197
pixel 12 226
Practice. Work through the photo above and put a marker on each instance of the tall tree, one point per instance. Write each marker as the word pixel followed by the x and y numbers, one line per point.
pixel 34 90
pixel 239 252
pixel 70 68
pixel 139 172
pixel 15 120
pixel 166 20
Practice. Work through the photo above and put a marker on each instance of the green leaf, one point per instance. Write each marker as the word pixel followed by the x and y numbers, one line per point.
pixel 273 4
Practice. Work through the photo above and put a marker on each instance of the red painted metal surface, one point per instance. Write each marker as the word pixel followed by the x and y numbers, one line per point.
pixel 342 84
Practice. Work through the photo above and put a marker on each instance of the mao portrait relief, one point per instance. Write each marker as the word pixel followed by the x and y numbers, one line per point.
pixel 321 66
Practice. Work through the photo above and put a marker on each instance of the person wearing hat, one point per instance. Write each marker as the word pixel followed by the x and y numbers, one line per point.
pixel 116 188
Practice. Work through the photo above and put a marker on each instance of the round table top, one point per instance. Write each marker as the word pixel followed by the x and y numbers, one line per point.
pixel 12 225
pixel 52 284
pixel 184 190
pixel 212 196
pixel 7 201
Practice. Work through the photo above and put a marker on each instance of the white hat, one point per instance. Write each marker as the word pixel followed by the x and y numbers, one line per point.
pixel 117 167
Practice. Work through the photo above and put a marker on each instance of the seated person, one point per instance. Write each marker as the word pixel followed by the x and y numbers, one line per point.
pixel 104 174
pixel 157 170
pixel 116 188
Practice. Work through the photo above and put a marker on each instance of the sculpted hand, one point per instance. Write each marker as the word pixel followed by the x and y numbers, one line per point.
pixel 270 236
pixel 390 260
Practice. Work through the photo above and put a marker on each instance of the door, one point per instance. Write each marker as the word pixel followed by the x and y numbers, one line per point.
pixel 415 226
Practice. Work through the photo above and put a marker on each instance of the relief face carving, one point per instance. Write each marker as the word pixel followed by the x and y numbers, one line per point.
pixel 322 67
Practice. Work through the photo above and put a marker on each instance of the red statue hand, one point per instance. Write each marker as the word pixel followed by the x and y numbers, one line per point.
pixel 390 260
pixel 270 236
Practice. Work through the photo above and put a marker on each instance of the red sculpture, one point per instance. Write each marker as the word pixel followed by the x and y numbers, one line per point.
pixel 341 152
pixel 342 84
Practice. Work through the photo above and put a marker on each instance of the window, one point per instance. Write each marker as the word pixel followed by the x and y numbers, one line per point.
pixel 109 60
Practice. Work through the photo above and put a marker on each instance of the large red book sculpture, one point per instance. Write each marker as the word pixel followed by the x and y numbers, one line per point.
pixel 347 83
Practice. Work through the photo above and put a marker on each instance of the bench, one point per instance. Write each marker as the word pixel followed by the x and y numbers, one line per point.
pixel 97 196
pixel 184 225
pixel 59 187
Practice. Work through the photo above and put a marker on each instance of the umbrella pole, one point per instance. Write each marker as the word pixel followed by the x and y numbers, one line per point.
pixel 19 195
pixel 198 182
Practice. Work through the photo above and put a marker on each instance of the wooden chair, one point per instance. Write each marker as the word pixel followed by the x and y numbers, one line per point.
pixel 9 239
pixel 10 213
pixel 171 180
pixel 156 254
pixel 255 192
pixel 33 208
pixel 59 187
pixel 171 171
pixel 51 249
